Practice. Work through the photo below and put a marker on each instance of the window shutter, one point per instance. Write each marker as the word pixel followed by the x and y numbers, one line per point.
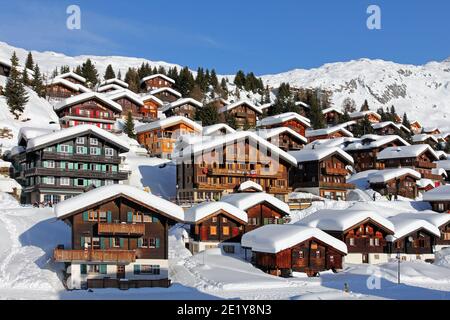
pixel 70 149
pixel 157 242
pixel 85 150
pixel 102 243
pixel 137 269
pixel 130 216
pixel 139 242
pixel 70 166
pixel 82 242
pixel 103 268
pixel 110 242
pixel 58 148
pixel 109 216
pixel 104 167
pixel 45 164
pixel 121 243
pixel 83 269
pixel 85 216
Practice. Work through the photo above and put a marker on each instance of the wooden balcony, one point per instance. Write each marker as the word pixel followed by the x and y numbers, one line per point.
pixel 121 228
pixel 334 185
pixel 335 171
pixel 426 165
pixel 431 176
pixel 243 173
pixel 112 256
pixel 79 157
pixel 57 172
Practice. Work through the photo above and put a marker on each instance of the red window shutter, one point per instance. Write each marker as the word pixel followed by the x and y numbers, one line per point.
pixel 235 231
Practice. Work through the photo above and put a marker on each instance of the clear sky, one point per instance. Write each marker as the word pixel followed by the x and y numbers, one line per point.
pixel 259 36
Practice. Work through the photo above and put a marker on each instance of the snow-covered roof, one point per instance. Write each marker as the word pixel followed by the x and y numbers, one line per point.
pixel 274 238
pixel 442 155
pixel 75 131
pixel 72 74
pixel 342 220
pixel 67 83
pixel 109 87
pixel 85 200
pixel 207 143
pixel 382 176
pixel 181 102
pixel 213 129
pixel 362 114
pixel 436 219
pixel 246 185
pixel 28 133
pixel 429 129
pixel 8 185
pixel 158 75
pixel 328 131
pixel 384 124
pixel 306 155
pixel 236 104
pixel 371 141
pixel 405 224
pixel 441 193
pixel 206 209
pixel 327 110
pixel 424 183
pixel 411 151
pixel 172 91
pixel 114 81
pixel 152 97
pixel 281 118
pixel 5 164
pixel 125 93
pixel 247 200
pixel 87 96
pixel 270 133
pixel 169 122
pixel 444 164
pixel 340 142
pixel 423 137
pixel 301 103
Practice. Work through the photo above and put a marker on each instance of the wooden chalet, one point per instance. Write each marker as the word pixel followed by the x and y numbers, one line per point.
pixel 431 130
pixel 363 232
pixel 424 138
pixel 215 165
pixel 290 120
pixel 396 182
pixel 88 108
pixel 416 127
pixel 215 224
pixel 218 129
pixel 186 107
pixel 360 115
pixel 60 88
pixel 332 116
pixel 440 221
pixel 305 109
pixel 439 198
pixel 283 249
pixel 159 136
pixel 129 101
pixel 119 238
pixel 244 113
pixel 389 128
pixel 73 77
pixel 322 172
pixel 366 149
pixel 5 68
pixel 166 94
pixel 112 85
pixel 338 131
pixel 150 108
pixel 156 81
pixel 444 165
pixel 284 138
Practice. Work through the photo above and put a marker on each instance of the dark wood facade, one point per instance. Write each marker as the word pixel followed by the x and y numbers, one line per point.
pixel 156 82
pixel 404 186
pixel 444 240
pixel 128 105
pixel 442 206
pixel 218 227
pixel 332 118
pixel 166 96
pixel 263 214
pixel 287 142
pixel 5 69
pixel 187 110
pixel 294 124
pixel 244 116
pixel 61 91
pixel 418 242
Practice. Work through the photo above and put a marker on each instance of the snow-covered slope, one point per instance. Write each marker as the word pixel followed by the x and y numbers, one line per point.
pixel 422 91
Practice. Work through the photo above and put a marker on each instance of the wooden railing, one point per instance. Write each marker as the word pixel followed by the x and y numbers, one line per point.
pixel 115 256
pixel 424 164
pixel 46 155
pixel 121 228
pixel 431 176
pixel 77 173
pixel 335 171
pixel 337 185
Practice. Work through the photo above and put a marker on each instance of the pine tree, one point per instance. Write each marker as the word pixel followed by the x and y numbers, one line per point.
pixel 25 78
pixel 89 72
pixel 185 82
pixel 365 106
pixel 65 69
pixel 316 115
pixel 119 75
pixel 345 117
pixel 364 127
pixel 55 73
pixel 29 62
pixel 109 73
pixel 231 121
pixel 349 105
pixel 129 126
pixel 239 79
pixel 214 82
pixel 15 93
pixel 406 122
pixel 78 71
pixel 267 95
pixel 133 80
pixel 208 115
pixel 37 83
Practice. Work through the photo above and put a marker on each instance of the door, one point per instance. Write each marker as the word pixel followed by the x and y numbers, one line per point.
pixel 365 258
pixel 120 272
pixel 203 233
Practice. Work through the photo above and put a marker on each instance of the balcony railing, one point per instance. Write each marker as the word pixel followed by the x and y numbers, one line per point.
pixel 335 171
pixel 113 256
pixel 242 173
pixel 322 184
pixel 431 176
pixel 58 172
pixel 121 228
pixel 79 157
pixel 424 164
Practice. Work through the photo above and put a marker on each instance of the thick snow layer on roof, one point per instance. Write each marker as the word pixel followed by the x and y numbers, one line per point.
pixel 405 224
pixel 327 131
pixel 67 83
pixel 337 110
pixel 92 197
pixel 281 118
pixel 168 122
pixel 152 97
pixel 72 75
pixel 215 128
pixel 361 114
pixel 442 155
pixel 28 133
pixel 231 106
pixel 300 103
pixel 180 102
pixel 423 183
pixel 306 155
pixel 384 124
pixel 172 91
pixel 5 164
pixel 77 130
pixel 372 141
pixel 330 143
pixel 423 137
pixel 159 75
pixel 206 143
pixel 109 87
pixel 247 200
pixel 206 209
pixel 249 185
pixel 411 151
pixel 436 219
pixel 342 220
pixel 114 81
pixel 444 164
pixel 87 96
pixel 269 133
pixel 441 193
pixel 275 238
pixel 382 176
pixel 125 93
pixel 439 171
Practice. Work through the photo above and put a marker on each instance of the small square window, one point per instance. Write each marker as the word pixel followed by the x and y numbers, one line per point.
pixel 80 140
pixel 93 141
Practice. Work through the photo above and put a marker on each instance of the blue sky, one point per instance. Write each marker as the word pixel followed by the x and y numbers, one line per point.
pixel 259 36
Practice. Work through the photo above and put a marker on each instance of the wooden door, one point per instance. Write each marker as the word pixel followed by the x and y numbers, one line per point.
pixel 203 233
pixel 120 272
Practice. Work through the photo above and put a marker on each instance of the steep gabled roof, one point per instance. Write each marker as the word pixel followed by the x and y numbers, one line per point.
pixel 168 122
pixel 384 124
pixel 362 114
pixel 91 198
pixel 152 97
pixel 205 209
pixel 247 200
pixel 68 84
pixel 159 75
pixel 306 155
pixel 441 193
pixel 72 74
pixel 383 176
pixel 246 185
pixel 239 103
pixel 412 151
pixel 270 133
pixel 114 81
pixel 180 102
pixel 337 110
pixel 423 137
pixel 172 91
pixel 87 96
pixel 212 129
pixel 112 86
pixel 328 131
pixel 405 224
pixel 125 93
pixel 372 141
pixel 281 118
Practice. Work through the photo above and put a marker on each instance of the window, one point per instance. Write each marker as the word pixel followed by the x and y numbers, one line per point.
pixel 153 243
pixel 96 243
pixel 228 249
pixel 116 242
pixel 80 140
pixel 147 269
pixel 214 219
pixel 226 231
pixel 224 220
pixel 352 241
pixel 93 215
pixel 253 221
pixel 377 242
pixel 318 254
pixel 64 148
pixel 94 150
pixel 300 254
pixel 102 216
pixel 109 152
pixel 93 141
pixel 144 243
pixel 49 180
pixel 213 230
pixel 440 207
pixel 371 242
pixel 109 182
pixel 80 150
pixel 51 164
pixel 64 181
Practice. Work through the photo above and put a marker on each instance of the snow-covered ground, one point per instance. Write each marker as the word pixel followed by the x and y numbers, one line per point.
pixel 29 235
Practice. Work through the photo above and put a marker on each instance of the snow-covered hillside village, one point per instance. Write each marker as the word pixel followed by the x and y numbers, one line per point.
pixel 123 178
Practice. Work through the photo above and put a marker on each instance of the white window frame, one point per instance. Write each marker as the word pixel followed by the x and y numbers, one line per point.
pixel 48 179
pixel 109 152
pixel 80 148
pixel 64 146
pixel 80 140
pixel 93 141
pixel 65 179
